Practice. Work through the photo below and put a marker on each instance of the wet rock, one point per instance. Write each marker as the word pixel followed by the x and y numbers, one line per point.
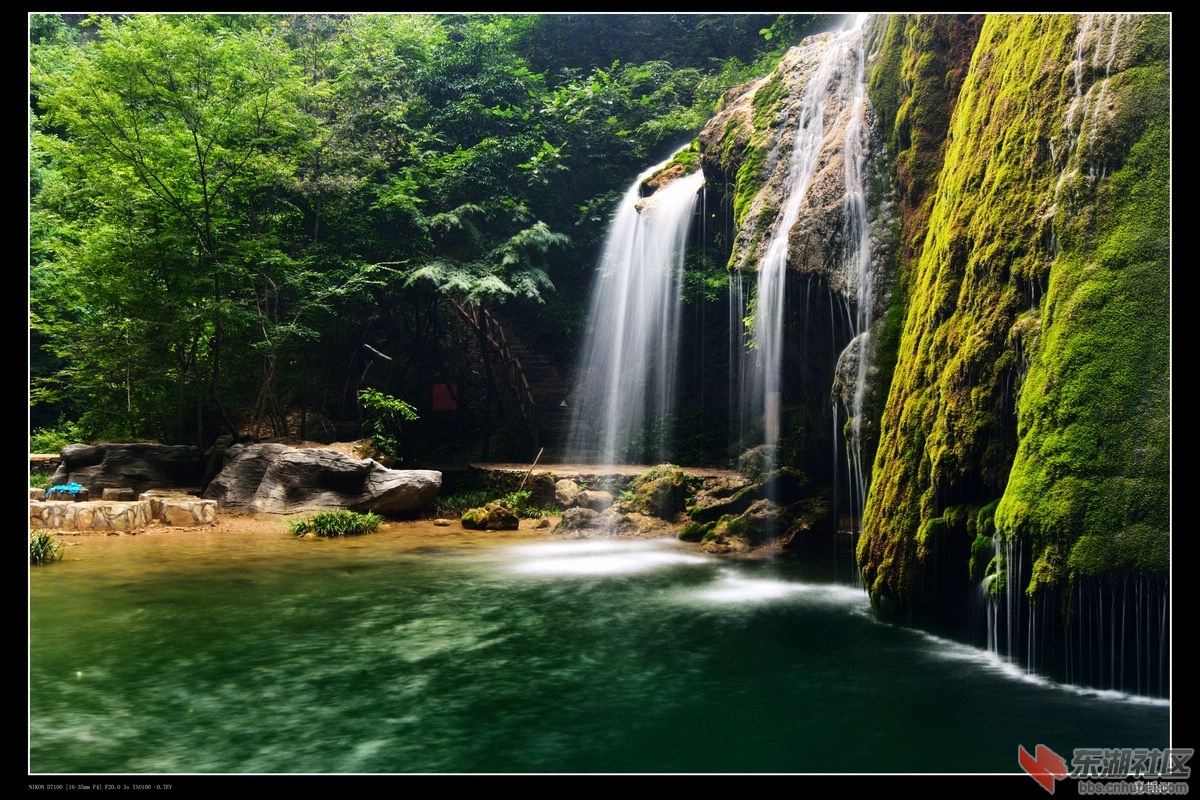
pixel 495 516
pixel 565 492
pixel 662 492
pixel 594 499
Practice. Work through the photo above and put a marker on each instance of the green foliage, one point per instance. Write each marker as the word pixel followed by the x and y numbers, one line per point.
pixel 455 505
pixel 521 502
pixel 165 139
pixel 335 523
pixel 465 503
pixel 384 417
pixel 53 440
pixel 44 548
pixel 41 477
pixel 225 208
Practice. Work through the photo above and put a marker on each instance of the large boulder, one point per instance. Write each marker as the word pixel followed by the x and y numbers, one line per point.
pixel 140 466
pixel 274 478
pixel 662 492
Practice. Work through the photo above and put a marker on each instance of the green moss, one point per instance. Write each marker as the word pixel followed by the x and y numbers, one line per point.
pixel 688 158
pixel 1093 468
pixel 1024 219
pixel 749 153
pixel 695 531
pixel 1140 548
pixel 661 491
pixel 983 549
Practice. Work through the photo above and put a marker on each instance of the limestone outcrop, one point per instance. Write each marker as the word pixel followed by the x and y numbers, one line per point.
pixel 140 466
pixel 275 478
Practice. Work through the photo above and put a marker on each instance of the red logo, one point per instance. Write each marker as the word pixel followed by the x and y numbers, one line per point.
pixel 1046 768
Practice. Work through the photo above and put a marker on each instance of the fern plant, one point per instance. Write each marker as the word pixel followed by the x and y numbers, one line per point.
pixel 384 416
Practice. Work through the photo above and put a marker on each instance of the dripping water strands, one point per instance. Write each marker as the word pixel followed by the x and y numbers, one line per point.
pixel 1116 635
pixel 829 128
pixel 625 392
pixel 1095 51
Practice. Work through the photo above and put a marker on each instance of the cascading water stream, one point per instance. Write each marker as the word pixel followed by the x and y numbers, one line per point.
pixel 830 123
pixel 1099 34
pixel 623 399
pixel 857 267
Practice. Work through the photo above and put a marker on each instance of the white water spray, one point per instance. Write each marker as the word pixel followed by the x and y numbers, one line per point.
pixel 624 397
pixel 831 121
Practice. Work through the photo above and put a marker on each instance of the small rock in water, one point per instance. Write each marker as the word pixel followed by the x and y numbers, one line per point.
pixel 441 523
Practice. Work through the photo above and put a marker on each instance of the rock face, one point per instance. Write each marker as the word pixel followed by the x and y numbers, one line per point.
pixel 751 141
pixel 137 466
pixel 1024 447
pixel 799 192
pixel 276 479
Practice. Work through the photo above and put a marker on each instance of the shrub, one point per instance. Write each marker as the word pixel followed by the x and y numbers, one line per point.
pixel 384 416
pixel 44 547
pixel 53 440
pixel 335 523
pixel 41 477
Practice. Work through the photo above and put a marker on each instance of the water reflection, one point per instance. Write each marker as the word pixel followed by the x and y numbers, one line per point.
pixel 438 650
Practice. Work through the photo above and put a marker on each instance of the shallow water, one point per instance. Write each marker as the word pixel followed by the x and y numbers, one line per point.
pixel 436 650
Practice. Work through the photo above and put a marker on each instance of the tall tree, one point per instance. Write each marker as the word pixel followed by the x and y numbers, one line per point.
pixel 176 129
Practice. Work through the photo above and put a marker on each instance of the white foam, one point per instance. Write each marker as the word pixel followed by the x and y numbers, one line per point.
pixel 592 557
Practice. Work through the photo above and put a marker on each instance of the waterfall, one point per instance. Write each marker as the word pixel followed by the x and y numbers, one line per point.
pixel 624 395
pixel 1115 637
pixel 829 128
pixel 857 267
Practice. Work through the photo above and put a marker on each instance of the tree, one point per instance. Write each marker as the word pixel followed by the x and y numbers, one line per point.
pixel 176 131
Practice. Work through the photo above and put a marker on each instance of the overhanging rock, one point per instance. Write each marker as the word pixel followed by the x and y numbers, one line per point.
pixel 139 466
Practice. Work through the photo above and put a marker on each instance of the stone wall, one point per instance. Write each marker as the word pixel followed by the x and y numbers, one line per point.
pixel 108 516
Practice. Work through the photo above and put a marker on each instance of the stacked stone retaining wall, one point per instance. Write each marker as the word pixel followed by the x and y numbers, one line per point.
pixel 108 516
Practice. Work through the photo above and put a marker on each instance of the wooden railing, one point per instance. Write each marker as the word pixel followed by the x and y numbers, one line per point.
pixel 493 333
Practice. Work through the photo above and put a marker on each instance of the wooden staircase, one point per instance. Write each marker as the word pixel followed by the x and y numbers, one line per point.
pixel 548 391
pixel 541 391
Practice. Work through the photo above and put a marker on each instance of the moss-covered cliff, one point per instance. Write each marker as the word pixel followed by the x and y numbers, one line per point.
pixel 1033 364
pixel 1021 261
pixel 1089 488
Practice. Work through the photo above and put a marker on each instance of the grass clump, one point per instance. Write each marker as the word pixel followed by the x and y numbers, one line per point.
pixel 455 505
pixel 335 523
pixel 520 502
pixel 43 548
